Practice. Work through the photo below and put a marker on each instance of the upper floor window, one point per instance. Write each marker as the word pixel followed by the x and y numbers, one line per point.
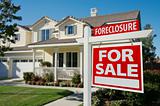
pixel 45 34
pixel 17 37
pixel 70 29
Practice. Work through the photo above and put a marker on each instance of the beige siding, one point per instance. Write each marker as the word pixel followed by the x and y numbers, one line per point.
pixel 28 37
pixel 79 33
pixel 48 55
pixel 42 25
pixel 23 37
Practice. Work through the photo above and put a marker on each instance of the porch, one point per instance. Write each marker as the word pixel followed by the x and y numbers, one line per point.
pixel 66 61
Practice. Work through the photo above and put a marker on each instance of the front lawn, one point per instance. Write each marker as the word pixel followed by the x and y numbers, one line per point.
pixel 26 96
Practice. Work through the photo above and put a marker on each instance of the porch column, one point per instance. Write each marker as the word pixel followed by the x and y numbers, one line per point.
pixel 64 60
pixel 55 66
pixel 81 63
pixel 34 53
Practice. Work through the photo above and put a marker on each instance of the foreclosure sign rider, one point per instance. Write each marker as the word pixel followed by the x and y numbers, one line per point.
pixel 118 66
pixel 122 27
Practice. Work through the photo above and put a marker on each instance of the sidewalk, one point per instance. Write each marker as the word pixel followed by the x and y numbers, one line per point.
pixel 73 100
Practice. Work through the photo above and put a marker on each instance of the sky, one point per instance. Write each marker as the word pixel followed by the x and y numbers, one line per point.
pixel 32 10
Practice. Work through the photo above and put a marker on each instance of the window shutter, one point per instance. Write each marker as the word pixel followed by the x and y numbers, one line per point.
pixel 40 35
pixel 51 32
pixel 75 29
pixel 66 30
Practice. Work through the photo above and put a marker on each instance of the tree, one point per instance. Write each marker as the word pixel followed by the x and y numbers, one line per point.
pixel 8 28
pixel 148 47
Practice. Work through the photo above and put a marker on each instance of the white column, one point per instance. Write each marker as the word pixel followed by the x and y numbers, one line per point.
pixel 55 66
pixel 87 67
pixel 81 63
pixel 34 53
pixel 64 60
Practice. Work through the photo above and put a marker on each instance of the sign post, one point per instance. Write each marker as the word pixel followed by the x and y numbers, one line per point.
pixel 87 67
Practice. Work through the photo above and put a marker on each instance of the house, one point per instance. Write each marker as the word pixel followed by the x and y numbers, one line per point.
pixel 56 42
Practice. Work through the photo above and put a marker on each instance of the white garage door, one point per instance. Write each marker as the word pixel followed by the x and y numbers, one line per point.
pixel 23 65
pixel 3 68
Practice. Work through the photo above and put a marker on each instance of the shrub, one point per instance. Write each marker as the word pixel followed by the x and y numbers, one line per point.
pixel 28 76
pixel 49 77
pixel 36 78
pixel 76 79
pixel 63 84
pixel 46 64
pixel 151 77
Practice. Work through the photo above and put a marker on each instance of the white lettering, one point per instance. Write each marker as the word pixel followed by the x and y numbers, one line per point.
pixel 100 70
pixel 131 71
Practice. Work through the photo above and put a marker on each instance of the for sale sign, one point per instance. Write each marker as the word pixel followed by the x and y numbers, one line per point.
pixel 122 27
pixel 118 66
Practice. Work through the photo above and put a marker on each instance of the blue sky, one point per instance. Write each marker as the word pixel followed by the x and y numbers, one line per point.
pixel 32 10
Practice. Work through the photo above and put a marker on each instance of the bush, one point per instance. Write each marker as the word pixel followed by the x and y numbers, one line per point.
pixel 151 77
pixel 49 77
pixel 28 76
pixel 36 78
pixel 76 79
pixel 46 64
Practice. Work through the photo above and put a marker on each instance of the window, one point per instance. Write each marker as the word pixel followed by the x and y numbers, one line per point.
pixel 70 30
pixel 17 37
pixel 60 59
pixel 15 61
pixel 45 34
pixel 72 59
pixel 24 60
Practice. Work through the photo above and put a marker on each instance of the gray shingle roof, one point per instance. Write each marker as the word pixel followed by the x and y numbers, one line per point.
pixel 100 20
pixel 21 48
pixel 54 41
pixel 25 27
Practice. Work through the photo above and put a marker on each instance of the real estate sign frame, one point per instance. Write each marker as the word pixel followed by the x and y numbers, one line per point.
pixel 119 84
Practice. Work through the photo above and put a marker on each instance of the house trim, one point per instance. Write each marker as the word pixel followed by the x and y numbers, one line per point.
pixel 51 45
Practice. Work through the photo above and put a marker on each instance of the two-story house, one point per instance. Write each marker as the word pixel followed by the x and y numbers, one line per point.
pixel 56 42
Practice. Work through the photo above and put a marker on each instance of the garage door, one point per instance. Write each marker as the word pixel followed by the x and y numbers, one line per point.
pixel 23 65
pixel 3 68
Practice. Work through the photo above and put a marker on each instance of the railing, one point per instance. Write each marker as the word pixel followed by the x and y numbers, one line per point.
pixel 63 73
pixel 67 73
pixel 40 71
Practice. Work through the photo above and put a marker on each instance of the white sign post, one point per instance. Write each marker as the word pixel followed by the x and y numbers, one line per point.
pixel 87 67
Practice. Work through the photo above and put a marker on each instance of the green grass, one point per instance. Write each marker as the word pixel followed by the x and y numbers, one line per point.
pixel 25 96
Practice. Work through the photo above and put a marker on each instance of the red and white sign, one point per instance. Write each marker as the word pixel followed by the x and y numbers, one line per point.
pixel 118 66
pixel 129 26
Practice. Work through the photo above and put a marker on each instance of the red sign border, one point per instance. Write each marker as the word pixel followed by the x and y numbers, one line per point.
pixel 141 87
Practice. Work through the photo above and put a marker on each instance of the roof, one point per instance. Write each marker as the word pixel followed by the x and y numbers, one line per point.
pixel 21 48
pixel 44 17
pixel 54 41
pixel 102 19
pixel 72 17
pixel 25 27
